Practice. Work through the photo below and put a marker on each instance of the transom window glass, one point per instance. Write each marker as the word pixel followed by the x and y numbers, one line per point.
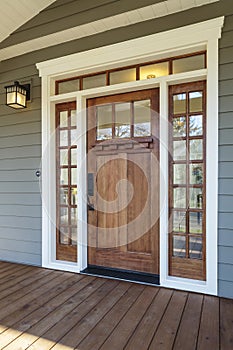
pixel 143 71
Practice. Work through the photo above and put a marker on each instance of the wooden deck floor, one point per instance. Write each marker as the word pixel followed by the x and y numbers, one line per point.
pixel 45 309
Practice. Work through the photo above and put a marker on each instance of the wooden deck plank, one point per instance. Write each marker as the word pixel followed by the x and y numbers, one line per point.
pixel 143 334
pixel 121 334
pixel 53 310
pixel 87 323
pixel 40 328
pixel 226 324
pixel 209 325
pixel 187 334
pixel 104 328
pixel 55 294
pixel 166 332
pixel 60 329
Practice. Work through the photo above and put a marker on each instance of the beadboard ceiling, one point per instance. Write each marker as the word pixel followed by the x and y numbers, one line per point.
pixel 13 14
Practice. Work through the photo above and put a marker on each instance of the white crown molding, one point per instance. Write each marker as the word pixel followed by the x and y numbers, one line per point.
pixel 157 10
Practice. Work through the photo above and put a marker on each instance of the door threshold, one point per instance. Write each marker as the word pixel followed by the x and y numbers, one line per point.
pixel 132 276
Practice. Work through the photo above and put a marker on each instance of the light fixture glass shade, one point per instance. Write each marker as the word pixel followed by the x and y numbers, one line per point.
pixel 16 96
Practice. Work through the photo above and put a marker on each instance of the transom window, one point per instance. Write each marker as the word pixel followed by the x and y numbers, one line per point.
pixel 142 71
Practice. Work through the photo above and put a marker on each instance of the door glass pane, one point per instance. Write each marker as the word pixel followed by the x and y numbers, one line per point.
pixel 63 138
pixel 179 127
pixel 196 198
pixel 179 221
pixel 122 119
pixel 179 104
pixel 195 247
pixel 179 174
pixel 188 64
pixel 94 81
pixel 104 122
pixel 64 176
pixel 179 197
pixel 196 149
pixel 195 101
pixel 73 156
pixel 179 246
pixel 63 156
pixel 142 118
pixel 64 219
pixel 153 70
pixel 64 119
pixel 195 222
pixel 196 174
pixel 123 76
pixel 195 125
pixel 179 150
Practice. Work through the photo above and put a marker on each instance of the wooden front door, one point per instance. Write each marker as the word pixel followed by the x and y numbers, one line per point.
pixel 123 181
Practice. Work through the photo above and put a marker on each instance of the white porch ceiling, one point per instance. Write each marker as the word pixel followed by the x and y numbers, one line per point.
pixel 14 13
pixel 157 10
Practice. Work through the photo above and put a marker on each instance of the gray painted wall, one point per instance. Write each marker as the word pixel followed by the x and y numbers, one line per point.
pixel 20 131
pixel 226 160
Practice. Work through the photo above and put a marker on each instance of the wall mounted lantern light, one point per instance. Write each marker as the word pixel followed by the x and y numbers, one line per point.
pixel 17 95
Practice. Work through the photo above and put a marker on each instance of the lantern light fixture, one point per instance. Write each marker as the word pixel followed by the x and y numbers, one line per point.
pixel 17 95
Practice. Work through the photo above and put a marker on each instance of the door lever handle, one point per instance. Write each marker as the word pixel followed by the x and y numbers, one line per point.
pixel 89 205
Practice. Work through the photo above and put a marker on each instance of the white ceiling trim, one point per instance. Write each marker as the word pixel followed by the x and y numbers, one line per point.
pixel 15 13
pixel 161 9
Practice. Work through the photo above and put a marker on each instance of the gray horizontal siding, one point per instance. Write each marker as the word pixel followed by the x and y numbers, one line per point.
pixel 225 251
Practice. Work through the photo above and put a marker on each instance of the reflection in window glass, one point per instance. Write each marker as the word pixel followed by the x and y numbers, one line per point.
pixel 179 174
pixel 195 247
pixel 73 214
pixel 196 198
pixel 122 119
pixel 123 76
pixel 64 176
pixel 63 156
pixel 64 219
pixel 188 64
pixel 179 103
pixel 195 125
pixel 63 138
pixel 63 119
pixel 196 149
pixel 104 122
pixel 195 222
pixel 153 70
pixel 94 81
pixel 196 174
pixel 74 235
pixel 195 101
pixel 73 137
pixel 179 221
pixel 73 156
pixel 64 235
pixel 179 197
pixel 64 196
pixel 179 150
pixel 73 176
pixel 73 118
pixel 179 246
pixel 73 196
pixel 142 118
pixel 179 127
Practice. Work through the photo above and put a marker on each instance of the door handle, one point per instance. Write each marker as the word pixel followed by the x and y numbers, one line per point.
pixel 89 205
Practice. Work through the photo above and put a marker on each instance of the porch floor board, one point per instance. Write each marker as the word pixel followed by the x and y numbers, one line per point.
pixel 42 309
